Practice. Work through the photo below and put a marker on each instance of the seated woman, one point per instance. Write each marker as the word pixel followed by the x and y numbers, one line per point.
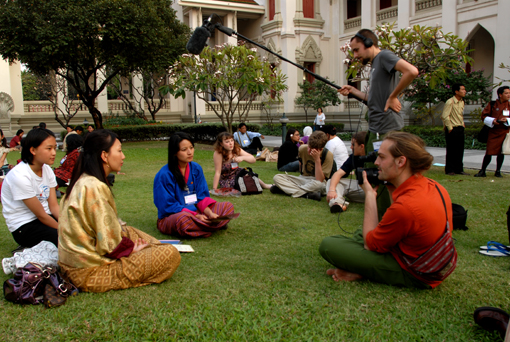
pixel 288 152
pixel 4 150
pixel 65 170
pixel 182 196
pixel 227 156
pixel 30 206
pixel 307 131
pixel 97 251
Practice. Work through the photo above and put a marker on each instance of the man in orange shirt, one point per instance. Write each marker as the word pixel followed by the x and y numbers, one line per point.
pixel 418 218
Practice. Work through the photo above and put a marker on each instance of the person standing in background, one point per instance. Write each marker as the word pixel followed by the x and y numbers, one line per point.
pixel 453 121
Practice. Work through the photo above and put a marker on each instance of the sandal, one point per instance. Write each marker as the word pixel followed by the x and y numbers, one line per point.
pixel 495 249
pixel 494 243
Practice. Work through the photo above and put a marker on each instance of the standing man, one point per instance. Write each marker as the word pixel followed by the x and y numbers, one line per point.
pixel 453 121
pixel 382 97
pixel 249 141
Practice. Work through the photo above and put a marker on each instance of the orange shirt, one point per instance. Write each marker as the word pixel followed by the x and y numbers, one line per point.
pixel 414 222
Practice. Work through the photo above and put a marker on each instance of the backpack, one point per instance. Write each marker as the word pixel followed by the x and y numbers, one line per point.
pixel 459 217
pixel 483 135
pixel 247 182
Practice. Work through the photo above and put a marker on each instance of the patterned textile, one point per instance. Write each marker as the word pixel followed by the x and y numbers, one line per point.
pixel 228 175
pixel 44 253
pixel 65 171
pixel 152 265
pixel 187 225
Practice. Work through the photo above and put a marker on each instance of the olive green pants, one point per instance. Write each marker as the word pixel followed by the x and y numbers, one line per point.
pixel 349 254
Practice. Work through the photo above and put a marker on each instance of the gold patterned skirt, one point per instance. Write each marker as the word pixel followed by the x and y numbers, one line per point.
pixel 152 265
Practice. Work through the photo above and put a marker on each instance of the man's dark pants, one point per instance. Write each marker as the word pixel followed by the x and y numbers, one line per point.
pixel 255 144
pixel 454 150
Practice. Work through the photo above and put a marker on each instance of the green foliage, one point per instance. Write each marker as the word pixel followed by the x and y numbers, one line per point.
pixel 84 36
pixel 232 75
pixel 199 132
pixel 33 90
pixel 434 136
pixel 317 95
pixel 277 129
pixel 130 120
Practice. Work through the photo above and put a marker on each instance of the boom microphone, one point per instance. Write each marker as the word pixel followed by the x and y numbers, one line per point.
pixel 199 38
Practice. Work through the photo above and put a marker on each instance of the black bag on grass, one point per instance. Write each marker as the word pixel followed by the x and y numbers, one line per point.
pixel 459 217
pixel 247 182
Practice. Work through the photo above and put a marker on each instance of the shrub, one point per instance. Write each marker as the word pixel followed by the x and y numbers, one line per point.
pixel 434 136
pixel 277 129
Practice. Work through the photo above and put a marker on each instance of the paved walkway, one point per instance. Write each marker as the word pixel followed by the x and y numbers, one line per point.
pixel 472 158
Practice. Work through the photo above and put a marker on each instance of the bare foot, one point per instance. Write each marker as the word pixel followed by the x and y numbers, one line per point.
pixel 338 274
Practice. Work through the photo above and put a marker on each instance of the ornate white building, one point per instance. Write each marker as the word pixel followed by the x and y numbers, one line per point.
pixel 309 32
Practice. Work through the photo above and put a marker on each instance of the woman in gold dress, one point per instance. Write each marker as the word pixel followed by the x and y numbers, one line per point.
pixel 97 251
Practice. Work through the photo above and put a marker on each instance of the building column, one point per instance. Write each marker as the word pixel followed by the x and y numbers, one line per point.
pixel 368 8
pixel 449 16
pixel 11 74
pixel 404 10
pixel 230 21
pixel 501 46
pixel 289 43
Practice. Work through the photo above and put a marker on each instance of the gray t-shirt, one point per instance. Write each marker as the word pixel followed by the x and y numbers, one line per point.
pixel 383 80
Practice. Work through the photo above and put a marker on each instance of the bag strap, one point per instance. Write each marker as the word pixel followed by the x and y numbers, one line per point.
pixel 444 205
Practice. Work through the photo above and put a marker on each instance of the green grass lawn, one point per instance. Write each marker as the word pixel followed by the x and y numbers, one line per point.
pixel 263 278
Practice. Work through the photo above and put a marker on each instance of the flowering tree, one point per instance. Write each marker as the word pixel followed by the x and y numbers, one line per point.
pixel 229 76
pixel 436 55
pixel 316 95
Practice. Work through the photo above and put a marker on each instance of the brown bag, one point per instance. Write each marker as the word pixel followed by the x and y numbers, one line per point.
pixel 272 157
pixel 248 182
pixel 30 282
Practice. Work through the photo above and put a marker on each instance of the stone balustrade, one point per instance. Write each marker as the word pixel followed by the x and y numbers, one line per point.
pixel 352 23
pixel 427 4
pixel 387 13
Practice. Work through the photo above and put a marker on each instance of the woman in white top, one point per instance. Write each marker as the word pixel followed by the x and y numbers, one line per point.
pixel 320 119
pixel 4 150
pixel 29 201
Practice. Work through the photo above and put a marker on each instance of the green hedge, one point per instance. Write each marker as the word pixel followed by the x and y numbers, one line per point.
pixel 434 136
pixel 277 128
pixel 199 132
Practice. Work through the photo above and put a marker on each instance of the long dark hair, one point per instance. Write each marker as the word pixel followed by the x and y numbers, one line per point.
pixel 173 162
pixel 219 148
pixel 290 133
pixel 73 142
pixel 4 139
pixel 90 161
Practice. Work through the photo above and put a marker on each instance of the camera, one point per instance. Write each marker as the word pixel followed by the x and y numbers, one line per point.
pixel 372 173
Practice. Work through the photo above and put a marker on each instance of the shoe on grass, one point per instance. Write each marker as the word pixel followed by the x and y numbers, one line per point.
pixel 498 174
pixel 481 174
pixel 314 195
pixel 276 190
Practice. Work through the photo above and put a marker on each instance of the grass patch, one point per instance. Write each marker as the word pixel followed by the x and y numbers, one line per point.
pixel 263 278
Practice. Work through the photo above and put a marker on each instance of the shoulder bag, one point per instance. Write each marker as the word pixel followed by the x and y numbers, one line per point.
pixel 248 182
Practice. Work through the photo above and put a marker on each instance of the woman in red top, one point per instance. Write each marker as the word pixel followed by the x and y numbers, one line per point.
pixel 495 115
pixel 64 172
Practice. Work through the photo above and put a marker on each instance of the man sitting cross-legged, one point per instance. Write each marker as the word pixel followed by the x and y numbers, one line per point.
pixel 316 165
pixel 417 224
pixel 340 186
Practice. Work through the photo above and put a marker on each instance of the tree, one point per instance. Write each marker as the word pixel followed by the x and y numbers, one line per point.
pixel 151 92
pixel 422 96
pixel 33 89
pixel 436 55
pixel 230 76
pixel 316 95
pixel 77 39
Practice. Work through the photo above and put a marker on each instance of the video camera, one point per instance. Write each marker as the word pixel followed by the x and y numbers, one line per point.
pixel 372 173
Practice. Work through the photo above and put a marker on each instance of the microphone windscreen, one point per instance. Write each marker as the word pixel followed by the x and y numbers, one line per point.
pixel 198 40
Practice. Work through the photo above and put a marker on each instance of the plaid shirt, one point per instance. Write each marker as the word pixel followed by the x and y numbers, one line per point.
pixel 65 171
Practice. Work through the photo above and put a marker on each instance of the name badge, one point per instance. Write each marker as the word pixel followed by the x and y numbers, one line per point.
pixel 234 165
pixel 245 141
pixel 377 145
pixel 506 112
pixel 190 199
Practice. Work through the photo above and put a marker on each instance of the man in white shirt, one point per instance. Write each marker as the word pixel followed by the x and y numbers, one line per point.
pixel 249 141
pixel 335 145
